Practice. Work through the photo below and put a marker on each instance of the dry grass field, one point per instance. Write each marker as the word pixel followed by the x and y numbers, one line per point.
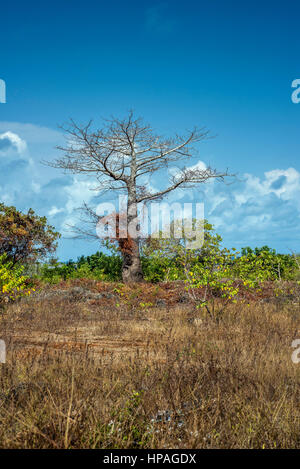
pixel 140 367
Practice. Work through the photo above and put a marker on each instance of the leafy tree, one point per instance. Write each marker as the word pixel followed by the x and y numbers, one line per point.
pixel 165 258
pixel 260 264
pixel 209 284
pixel 172 247
pixel 25 237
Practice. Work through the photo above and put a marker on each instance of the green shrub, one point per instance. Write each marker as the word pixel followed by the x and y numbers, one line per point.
pixel 97 266
pixel 163 256
pixel 13 284
pixel 261 264
pixel 208 281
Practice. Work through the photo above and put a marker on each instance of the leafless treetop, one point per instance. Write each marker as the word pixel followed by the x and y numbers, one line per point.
pixel 124 150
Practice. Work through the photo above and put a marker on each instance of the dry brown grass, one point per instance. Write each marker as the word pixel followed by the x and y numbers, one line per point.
pixel 92 374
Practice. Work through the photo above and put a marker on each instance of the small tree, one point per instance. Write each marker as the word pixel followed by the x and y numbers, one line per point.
pixel 206 270
pixel 167 256
pixel 262 264
pixel 25 237
pixel 118 156
pixel 208 283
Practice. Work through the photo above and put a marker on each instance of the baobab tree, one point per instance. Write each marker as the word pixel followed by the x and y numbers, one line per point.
pixel 119 155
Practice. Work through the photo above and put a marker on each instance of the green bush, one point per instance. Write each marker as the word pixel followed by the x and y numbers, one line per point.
pixel 97 266
pixel 164 257
pixel 261 264
pixel 13 284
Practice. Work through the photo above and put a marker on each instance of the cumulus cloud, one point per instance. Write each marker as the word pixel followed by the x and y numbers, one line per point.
pixel 80 190
pixel 32 133
pixel 257 209
pixel 10 141
pixel 199 166
pixel 54 211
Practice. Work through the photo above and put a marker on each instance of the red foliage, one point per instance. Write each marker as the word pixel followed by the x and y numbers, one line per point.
pixel 125 244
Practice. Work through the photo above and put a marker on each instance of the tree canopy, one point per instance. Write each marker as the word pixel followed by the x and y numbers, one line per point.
pixel 25 237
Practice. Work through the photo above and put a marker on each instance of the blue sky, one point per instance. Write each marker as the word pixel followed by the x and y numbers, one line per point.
pixel 227 65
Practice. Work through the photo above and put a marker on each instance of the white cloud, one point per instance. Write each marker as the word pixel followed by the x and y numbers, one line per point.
pixel 284 183
pixel 54 211
pixel 81 190
pixel 257 210
pixel 33 133
pixel 9 140
pixel 199 166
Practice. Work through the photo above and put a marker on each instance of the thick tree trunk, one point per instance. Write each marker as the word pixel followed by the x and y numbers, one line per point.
pixel 132 267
